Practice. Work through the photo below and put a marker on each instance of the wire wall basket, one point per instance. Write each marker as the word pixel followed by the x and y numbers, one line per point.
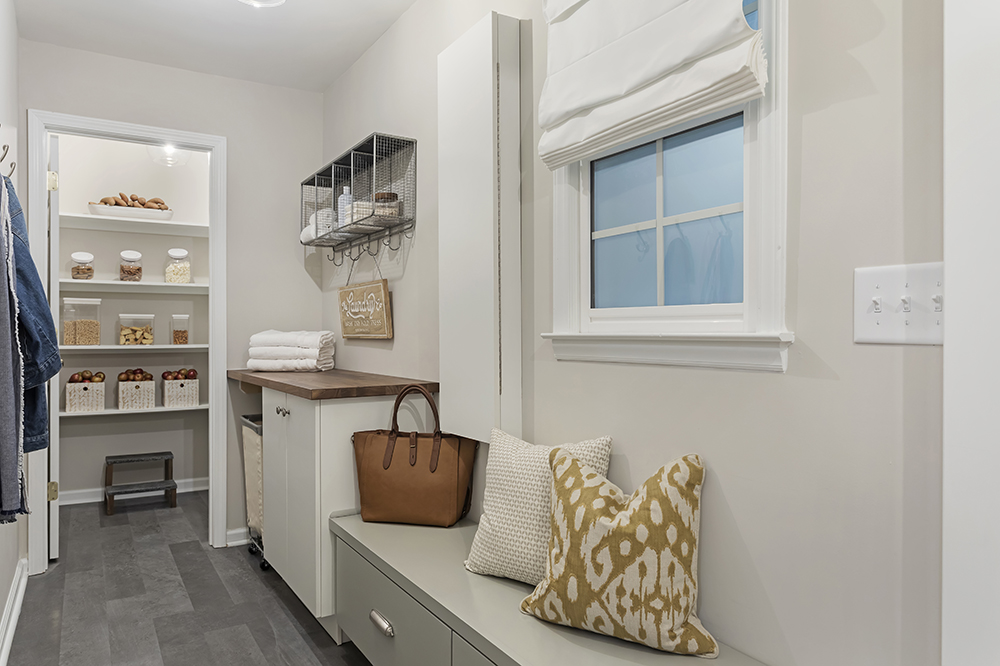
pixel 369 193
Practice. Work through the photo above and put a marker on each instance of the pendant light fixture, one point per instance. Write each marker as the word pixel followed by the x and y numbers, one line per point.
pixel 263 3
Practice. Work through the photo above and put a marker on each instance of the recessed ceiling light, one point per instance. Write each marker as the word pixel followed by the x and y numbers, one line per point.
pixel 263 3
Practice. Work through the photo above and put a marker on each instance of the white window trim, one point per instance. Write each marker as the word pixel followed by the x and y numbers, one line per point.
pixel 747 336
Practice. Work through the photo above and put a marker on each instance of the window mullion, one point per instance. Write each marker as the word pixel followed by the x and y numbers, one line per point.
pixel 660 206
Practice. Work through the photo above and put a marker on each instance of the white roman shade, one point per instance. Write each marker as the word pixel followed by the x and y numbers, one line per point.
pixel 620 70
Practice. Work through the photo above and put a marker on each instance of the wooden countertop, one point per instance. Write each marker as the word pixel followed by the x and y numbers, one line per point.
pixel 329 385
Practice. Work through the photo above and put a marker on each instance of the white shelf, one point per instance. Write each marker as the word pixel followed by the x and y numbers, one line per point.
pixel 131 225
pixel 127 349
pixel 131 412
pixel 144 287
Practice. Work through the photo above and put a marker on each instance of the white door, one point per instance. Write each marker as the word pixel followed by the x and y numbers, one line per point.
pixel 53 392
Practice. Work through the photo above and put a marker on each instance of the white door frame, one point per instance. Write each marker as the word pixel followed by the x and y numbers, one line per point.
pixel 40 124
pixel 970 594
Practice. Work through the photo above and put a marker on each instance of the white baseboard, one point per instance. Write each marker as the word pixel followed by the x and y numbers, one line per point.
pixel 238 537
pixel 88 495
pixel 12 610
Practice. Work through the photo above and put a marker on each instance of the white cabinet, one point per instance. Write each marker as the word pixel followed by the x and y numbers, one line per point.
pixel 309 473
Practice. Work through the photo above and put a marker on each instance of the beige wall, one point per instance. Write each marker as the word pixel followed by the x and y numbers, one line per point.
pixel 273 141
pixel 13 538
pixel 821 524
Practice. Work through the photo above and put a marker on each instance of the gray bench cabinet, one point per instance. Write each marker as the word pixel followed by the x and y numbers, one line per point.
pixel 414 580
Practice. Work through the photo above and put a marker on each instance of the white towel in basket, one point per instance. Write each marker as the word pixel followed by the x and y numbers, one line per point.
pixel 306 339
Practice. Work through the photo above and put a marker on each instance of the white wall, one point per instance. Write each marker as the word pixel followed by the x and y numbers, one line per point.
pixel 13 539
pixel 971 586
pixel 274 141
pixel 821 511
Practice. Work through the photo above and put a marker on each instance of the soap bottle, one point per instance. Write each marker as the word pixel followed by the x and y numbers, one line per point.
pixel 344 201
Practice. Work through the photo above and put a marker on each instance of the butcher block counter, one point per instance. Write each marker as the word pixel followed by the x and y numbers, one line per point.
pixel 328 385
pixel 308 465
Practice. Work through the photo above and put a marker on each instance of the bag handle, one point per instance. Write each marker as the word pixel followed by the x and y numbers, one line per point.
pixel 394 432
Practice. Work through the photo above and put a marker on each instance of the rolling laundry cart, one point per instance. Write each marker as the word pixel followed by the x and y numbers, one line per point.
pixel 253 470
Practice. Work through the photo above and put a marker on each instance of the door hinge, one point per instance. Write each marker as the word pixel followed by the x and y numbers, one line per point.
pixel 53 181
pixel 53 490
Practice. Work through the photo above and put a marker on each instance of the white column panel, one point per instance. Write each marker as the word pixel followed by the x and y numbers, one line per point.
pixel 479 228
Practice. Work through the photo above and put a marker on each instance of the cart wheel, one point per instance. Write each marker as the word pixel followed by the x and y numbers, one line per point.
pixel 253 549
pixel 264 566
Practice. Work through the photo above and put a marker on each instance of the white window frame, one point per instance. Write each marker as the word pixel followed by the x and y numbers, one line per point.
pixel 751 335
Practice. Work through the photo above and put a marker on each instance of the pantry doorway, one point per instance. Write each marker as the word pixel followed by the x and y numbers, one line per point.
pixel 127 226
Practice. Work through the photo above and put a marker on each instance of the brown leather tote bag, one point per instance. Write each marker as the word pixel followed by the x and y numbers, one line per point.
pixel 417 478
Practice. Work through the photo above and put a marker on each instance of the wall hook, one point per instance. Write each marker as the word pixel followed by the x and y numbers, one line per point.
pixel 330 257
pixel 388 242
pixel 5 149
pixel 13 165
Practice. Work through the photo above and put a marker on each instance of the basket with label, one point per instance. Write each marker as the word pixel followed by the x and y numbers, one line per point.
pixel 180 388
pixel 85 397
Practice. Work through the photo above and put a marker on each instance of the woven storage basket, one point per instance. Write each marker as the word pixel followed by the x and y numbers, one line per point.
pixel 85 397
pixel 180 393
pixel 136 395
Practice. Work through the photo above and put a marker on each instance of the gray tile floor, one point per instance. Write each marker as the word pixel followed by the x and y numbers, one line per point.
pixel 144 588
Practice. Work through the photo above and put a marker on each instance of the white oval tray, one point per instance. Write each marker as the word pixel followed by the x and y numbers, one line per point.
pixel 127 211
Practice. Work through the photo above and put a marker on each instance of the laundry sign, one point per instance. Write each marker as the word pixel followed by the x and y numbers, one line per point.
pixel 365 311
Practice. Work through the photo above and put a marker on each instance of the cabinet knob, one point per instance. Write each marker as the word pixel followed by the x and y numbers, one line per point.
pixel 381 623
pixel 277 410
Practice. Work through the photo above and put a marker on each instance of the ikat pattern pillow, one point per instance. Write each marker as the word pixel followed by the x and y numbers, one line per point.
pixel 512 540
pixel 625 566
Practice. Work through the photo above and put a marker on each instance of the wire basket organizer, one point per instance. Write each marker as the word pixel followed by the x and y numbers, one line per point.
pixel 381 173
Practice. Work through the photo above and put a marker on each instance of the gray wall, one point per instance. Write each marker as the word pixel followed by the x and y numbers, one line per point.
pixel 821 524
pixel 273 140
pixel 13 538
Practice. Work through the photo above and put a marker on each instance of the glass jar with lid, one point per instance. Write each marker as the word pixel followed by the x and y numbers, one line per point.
pixel 178 269
pixel 180 328
pixel 83 266
pixel 82 321
pixel 131 266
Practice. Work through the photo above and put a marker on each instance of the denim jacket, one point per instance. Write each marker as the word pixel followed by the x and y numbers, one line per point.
pixel 39 340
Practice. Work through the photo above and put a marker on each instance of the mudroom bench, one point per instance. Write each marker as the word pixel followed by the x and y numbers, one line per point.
pixel 404 598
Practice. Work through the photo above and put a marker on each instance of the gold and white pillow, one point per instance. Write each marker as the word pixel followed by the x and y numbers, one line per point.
pixel 625 566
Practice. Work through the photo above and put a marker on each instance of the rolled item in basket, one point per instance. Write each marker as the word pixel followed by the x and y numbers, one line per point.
pixel 322 221
pixel 308 234
pixel 292 353
pixel 289 365
pixel 306 339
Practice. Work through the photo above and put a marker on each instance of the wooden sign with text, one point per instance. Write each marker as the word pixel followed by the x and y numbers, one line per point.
pixel 365 311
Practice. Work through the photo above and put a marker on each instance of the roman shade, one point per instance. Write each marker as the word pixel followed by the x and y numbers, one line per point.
pixel 618 71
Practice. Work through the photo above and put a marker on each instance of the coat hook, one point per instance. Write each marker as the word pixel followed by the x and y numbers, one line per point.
pixel 388 242
pixel 13 165
pixel 5 149
pixel 331 256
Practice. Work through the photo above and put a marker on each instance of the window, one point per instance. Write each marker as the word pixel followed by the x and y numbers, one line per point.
pixel 670 249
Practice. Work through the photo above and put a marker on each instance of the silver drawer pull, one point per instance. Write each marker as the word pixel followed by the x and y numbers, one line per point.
pixel 383 624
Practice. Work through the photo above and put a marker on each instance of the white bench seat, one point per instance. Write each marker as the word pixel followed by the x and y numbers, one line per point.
pixel 427 564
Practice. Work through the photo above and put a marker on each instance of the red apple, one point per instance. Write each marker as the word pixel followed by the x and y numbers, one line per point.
pixel 166 374
pixel 75 378
pixel 192 374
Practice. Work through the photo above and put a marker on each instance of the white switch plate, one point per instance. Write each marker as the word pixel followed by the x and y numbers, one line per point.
pixel 891 286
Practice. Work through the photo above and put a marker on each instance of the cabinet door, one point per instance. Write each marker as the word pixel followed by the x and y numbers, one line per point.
pixel 302 458
pixel 275 482
pixel 463 654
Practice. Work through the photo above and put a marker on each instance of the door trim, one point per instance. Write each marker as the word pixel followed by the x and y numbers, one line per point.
pixel 40 123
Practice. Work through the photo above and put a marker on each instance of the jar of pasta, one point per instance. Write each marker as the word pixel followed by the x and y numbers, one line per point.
pixel 178 266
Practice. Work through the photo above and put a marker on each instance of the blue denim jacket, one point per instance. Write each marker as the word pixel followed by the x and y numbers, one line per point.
pixel 39 340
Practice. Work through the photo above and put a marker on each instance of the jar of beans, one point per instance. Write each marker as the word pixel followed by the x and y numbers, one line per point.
pixel 131 266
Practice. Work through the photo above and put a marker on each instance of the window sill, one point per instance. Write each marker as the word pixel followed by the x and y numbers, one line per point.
pixel 738 351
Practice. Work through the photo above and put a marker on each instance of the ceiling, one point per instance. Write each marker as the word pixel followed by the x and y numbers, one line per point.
pixel 302 44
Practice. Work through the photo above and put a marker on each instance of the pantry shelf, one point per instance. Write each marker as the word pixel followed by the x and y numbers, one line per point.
pixel 133 226
pixel 130 349
pixel 144 287
pixel 133 412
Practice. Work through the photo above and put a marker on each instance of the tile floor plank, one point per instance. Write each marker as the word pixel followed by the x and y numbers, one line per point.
pixel 234 646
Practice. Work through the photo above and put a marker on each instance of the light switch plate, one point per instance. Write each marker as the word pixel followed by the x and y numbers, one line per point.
pixel 918 288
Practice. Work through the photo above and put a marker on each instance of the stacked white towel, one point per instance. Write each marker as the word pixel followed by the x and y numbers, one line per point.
pixel 291 351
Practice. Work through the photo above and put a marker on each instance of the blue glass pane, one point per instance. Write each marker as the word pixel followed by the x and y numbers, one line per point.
pixel 752 20
pixel 703 168
pixel 624 270
pixel 624 188
pixel 703 261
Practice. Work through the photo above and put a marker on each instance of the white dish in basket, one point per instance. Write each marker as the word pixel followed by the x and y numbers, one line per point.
pixel 128 211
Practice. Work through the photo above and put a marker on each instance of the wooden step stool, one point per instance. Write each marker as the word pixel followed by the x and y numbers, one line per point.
pixel 168 485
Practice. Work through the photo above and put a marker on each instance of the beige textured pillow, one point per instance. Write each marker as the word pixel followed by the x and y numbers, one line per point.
pixel 625 566
pixel 513 536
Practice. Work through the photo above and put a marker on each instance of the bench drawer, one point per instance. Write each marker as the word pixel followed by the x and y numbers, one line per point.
pixel 418 637
pixel 463 654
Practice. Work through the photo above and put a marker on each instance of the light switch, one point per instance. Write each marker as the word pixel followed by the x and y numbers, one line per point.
pixel 899 304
